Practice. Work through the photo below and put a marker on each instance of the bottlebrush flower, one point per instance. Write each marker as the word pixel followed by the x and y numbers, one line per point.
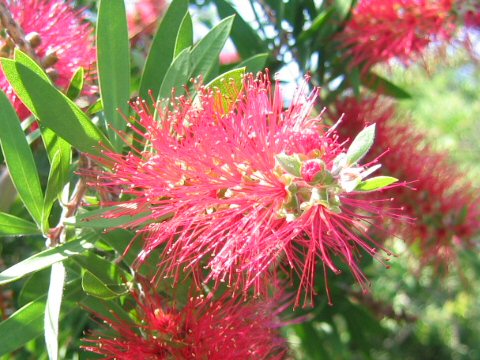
pixel 222 329
pixel 234 191
pixel 380 30
pixel 61 39
pixel 143 15
pixel 445 206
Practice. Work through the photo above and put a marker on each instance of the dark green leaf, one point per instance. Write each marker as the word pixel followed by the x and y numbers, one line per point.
pixel 255 63
pixel 52 309
pixel 206 52
pixel 383 86
pixel 53 108
pixel 54 187
pixel 246 40
pixel 45 258
pixel 361 144
pixel 27 323
pixel 320 20
pixel 12 225
pixel 113 62
pixel 177 76
pixel 162 50
pixel 185 35
pixel 19 159
pixel 93 286
pixel 76 84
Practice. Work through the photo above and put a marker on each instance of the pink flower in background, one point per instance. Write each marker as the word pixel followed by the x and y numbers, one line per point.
pixel 445 206
pixel 143 15
pixel 222 329
pixel 381 30
pixel 63 41
pixel 241 192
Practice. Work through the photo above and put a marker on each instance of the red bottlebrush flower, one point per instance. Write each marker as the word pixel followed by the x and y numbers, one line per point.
pixel 61 39
pixel 143 15
pixel 226 190
pixel 380 30
pixel 445 206
pixel 222 329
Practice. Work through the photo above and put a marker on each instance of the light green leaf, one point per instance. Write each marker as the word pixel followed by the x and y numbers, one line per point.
pixel 206 52
pixel 361 144
pixel 52 309
pixel 290 163
pixel 76 84
pixel 113 63
pixel 54 187
pixel 230 85
pixel 53 108
pixel 185 35
pixel 19 159
pixel 44 259
pixel 320 20
pixel 24 59
pixel 162 50
pixel 375 183
pixel 12 225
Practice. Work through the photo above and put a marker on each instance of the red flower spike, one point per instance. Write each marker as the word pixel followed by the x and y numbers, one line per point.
pixel 224 192
pixel 223 329
pixel 446 208
pixel 61 38
pixel 381 30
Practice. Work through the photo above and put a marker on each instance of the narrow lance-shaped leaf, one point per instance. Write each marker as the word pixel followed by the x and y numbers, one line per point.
pixel 11 225
pixel 185 35
pixel 113 62
pixel 383 86
pixel 162 50
pixel 44 259
pixel 255 63
pixel 177 76
pixel 76 84
pixel 375 183
pixel 54 186
pixel 361 144
pixel 53 108
pixel 19 160
pixel 206 52
pixel 52 309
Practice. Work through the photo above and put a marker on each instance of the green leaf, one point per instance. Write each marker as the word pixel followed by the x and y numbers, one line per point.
pixel 12 225
pixel 113 63
pixel 361 144
pixel 230 85
pixel 52 309
pixel 76 84
pixel 93 286
pixel 95 108
pixel 24 59
pixel 290 163
pixel 27 323
pixel 255 63
pixel 177 76
pixel 185 35
pixel 54 187
pixel 375 183
pixel 320 20
pixel 44 259
pixel 54 109
pixel 94 220
pixel 206 52
pixel 246 40
pixel 383 86
pixel 162 50
pixel 19 160
pixel 56 145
